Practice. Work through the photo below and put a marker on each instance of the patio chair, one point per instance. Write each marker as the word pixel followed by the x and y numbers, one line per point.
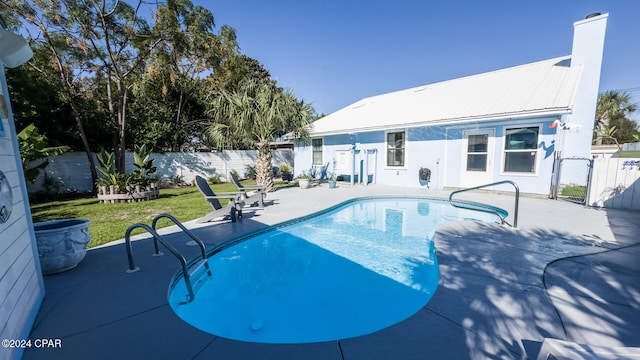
pixel 231 211
pixel 255 193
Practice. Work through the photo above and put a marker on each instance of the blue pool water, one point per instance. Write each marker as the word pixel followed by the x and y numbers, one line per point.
pixel 349 271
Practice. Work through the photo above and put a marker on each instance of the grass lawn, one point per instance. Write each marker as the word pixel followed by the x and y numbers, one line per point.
pixel 110 221
pixel 574 191
pixel 630 154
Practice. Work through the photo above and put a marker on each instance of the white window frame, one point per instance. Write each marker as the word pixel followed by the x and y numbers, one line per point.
pixel 321 152
pixel 536 163
pixel 466 134
pixel 386 149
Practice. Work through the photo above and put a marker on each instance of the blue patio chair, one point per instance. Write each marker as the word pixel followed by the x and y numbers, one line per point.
pixel 232 211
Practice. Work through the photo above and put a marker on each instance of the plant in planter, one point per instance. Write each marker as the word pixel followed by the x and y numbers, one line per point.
pixel 116 183
pixel 144 164
pixel 138 185
pixel 332 180
pixel 107 161
pixel 285 172
pixel 303 180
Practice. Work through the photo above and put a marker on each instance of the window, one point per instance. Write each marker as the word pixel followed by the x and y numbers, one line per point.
pixel 521 149
pixel 316 150
pixel 395 148
pixel 477 147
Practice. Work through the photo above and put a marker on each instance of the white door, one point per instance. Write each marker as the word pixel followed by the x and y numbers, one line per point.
pixel 477 155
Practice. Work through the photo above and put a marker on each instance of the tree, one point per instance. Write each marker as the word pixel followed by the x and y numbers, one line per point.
pixel 104 46
pixel 611 113
pixel 35 100
pixel 255 115
pixel 118 41
pixel 626 129
pixel 65 59
pixel 173 81
pixel 236 70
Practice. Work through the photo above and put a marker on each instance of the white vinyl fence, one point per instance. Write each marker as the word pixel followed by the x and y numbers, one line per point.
pixel 615 183
pixel 71 170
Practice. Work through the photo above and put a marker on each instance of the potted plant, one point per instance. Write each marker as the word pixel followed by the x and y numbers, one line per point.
pixel 303 180
pixel 62 244
pixel 332 180
pixel 285 172
pixel 138 185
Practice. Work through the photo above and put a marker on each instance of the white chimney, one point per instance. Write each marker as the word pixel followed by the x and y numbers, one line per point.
pixel 588 47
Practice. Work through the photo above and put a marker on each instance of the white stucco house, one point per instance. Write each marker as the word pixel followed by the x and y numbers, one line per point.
pixel 507 124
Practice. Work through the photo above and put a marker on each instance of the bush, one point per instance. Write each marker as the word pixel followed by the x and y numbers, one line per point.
pixel 215 179
pixel 285 171
pixel 250 172
pixel 178 180
pixel 33 146
pixel 141 176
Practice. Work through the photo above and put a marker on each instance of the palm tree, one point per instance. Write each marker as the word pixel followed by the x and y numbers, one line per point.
pixel 612 105
pixel 608 134
pixel 254 116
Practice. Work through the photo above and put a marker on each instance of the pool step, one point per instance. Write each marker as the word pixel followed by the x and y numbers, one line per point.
pixel 199 273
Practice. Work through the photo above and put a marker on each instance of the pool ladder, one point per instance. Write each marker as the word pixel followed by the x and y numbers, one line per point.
pixel 189 272
pixel 503 221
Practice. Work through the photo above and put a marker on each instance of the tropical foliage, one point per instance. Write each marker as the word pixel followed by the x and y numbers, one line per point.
pixel 33 146
pixel 114 73
pixel 255 115
pixel 142 175
pixel 611 124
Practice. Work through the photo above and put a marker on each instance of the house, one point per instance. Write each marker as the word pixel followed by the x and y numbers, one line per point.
pixel 21 283
pixel 507 124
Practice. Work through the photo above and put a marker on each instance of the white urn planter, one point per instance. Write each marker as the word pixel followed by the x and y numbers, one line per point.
pixel 303 183
pixel 62 244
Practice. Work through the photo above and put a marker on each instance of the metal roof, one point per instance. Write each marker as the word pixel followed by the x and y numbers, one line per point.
pixel 536 89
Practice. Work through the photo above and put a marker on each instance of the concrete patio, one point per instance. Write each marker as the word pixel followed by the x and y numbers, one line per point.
pixel 568 272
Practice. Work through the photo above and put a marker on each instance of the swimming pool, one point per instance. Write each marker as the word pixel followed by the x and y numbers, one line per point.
pixel 351 270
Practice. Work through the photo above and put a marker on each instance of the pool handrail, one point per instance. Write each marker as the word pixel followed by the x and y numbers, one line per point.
pixel 502 219
pixel 203 250
pixel 157 239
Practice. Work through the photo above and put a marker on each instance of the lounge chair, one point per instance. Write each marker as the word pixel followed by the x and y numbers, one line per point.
pixel 227 212
pixel 251 193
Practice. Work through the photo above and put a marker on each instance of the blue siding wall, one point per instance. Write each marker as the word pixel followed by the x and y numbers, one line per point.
pixel 440 149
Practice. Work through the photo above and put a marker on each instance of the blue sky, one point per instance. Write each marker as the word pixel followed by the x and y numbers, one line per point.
pixel 332 53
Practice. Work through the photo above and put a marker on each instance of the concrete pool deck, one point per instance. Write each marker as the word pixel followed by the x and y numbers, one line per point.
pixel 568 272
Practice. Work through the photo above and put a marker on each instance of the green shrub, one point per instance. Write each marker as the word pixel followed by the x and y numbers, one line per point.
pixel 215 179
pixel 250 172
pixel 33 146
pixel 177 180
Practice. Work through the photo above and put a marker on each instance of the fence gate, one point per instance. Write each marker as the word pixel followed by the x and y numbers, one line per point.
pixel 570 179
